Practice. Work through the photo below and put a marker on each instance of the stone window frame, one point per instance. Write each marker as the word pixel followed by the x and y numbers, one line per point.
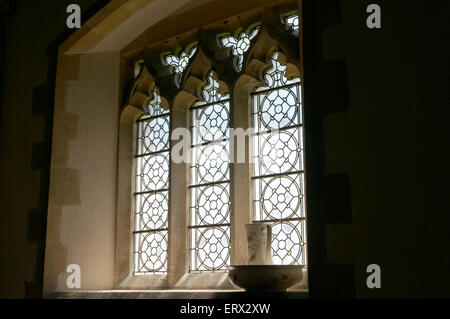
pixel 179 100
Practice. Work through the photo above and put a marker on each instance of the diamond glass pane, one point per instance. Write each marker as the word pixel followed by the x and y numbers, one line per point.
pixel 151 198
pixel 278 177
pixel 210 173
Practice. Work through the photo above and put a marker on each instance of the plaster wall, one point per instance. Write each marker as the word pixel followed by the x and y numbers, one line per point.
pixel 82 201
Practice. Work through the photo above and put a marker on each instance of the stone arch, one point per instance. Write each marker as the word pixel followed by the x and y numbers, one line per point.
pixel 141 92
pixel 197 72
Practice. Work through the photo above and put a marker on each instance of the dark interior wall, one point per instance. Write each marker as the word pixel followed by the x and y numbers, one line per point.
pixel 376 106
pixel 377 147
pixel 32 33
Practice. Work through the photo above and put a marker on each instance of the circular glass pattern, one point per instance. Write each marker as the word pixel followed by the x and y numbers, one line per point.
pixel 287 244
pixel 154 172
pixel 212 164
pixel 281 198
pixel 153 251
pixel 153 211
pixel 213 122
pixel 279 109
pixel 280 153
pixel 155 135
pixel 212 248
pixel 212 205
pixel 243 44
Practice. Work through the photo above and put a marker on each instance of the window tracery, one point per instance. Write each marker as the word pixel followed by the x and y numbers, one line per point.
pixel 278 176
pixel 180 60
pixel 240 43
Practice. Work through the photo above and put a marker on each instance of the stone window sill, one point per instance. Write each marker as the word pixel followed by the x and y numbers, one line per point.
pixel 177 294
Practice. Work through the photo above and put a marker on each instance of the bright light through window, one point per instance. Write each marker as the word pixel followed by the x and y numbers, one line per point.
pixel 278 170
pixel 209 228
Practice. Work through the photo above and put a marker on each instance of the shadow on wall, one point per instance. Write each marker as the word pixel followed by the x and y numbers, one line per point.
pixel 41 119
pixel 328 196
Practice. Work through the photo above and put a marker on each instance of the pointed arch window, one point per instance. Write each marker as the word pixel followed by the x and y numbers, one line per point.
pixel 278 176
pixel 152 189
pixel 209 228
pixel 211 197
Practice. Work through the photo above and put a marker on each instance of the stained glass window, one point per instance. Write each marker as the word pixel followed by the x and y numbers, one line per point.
pixel 209 228
pixel 240 43
pixel 152 189
pixel 278 177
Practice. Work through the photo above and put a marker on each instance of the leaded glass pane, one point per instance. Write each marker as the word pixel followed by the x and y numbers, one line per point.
pixel 153 135
pixel 210 205
pixel 152 172
pixel 279 108
pixel 179 61
pixel 211 163
pixel 210 248
pixel 151 190
pixel 150 252
pixel 288 243
pixel 279 197
pixel 211 123
pixel 278 152
pixel 209 226
pixel 278 174
pixel 151 211
pixel 291 20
